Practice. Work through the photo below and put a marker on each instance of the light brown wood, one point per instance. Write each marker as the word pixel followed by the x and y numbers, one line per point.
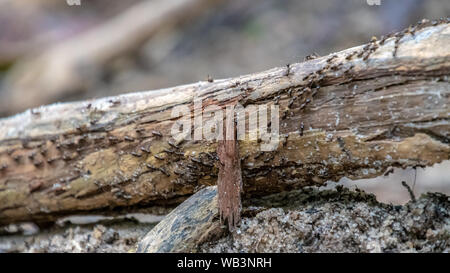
pixel 368 113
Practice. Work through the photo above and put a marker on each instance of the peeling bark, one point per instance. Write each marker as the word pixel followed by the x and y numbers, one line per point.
pixel 354 113
pixel 229 183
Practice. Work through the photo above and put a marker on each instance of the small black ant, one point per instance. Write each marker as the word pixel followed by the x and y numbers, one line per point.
pixel 288 69
pixel 258 155
pixel 164 171
pixel 331 58
pixel 311 57
pixel 157 133
pixel 136 154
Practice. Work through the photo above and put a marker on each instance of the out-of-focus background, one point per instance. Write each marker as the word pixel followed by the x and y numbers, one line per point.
pixel 56 50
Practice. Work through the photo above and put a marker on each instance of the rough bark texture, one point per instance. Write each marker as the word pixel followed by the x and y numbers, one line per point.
pixel 229 183
pixel 369 107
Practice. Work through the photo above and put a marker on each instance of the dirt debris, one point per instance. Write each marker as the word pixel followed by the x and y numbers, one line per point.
pixel 308 220
pixel 341 220
pixel 118 237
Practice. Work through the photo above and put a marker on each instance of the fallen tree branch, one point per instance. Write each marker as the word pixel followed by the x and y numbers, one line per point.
pixel 354 114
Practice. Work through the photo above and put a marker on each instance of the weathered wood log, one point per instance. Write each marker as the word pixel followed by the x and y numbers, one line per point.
pixel 353 114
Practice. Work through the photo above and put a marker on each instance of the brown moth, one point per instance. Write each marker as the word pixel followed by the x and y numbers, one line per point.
pixel 229 183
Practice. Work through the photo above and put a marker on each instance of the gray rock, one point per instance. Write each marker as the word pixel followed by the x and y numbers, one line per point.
pixel 187 226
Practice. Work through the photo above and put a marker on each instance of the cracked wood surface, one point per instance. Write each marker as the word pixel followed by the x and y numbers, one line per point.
pixel 353 113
